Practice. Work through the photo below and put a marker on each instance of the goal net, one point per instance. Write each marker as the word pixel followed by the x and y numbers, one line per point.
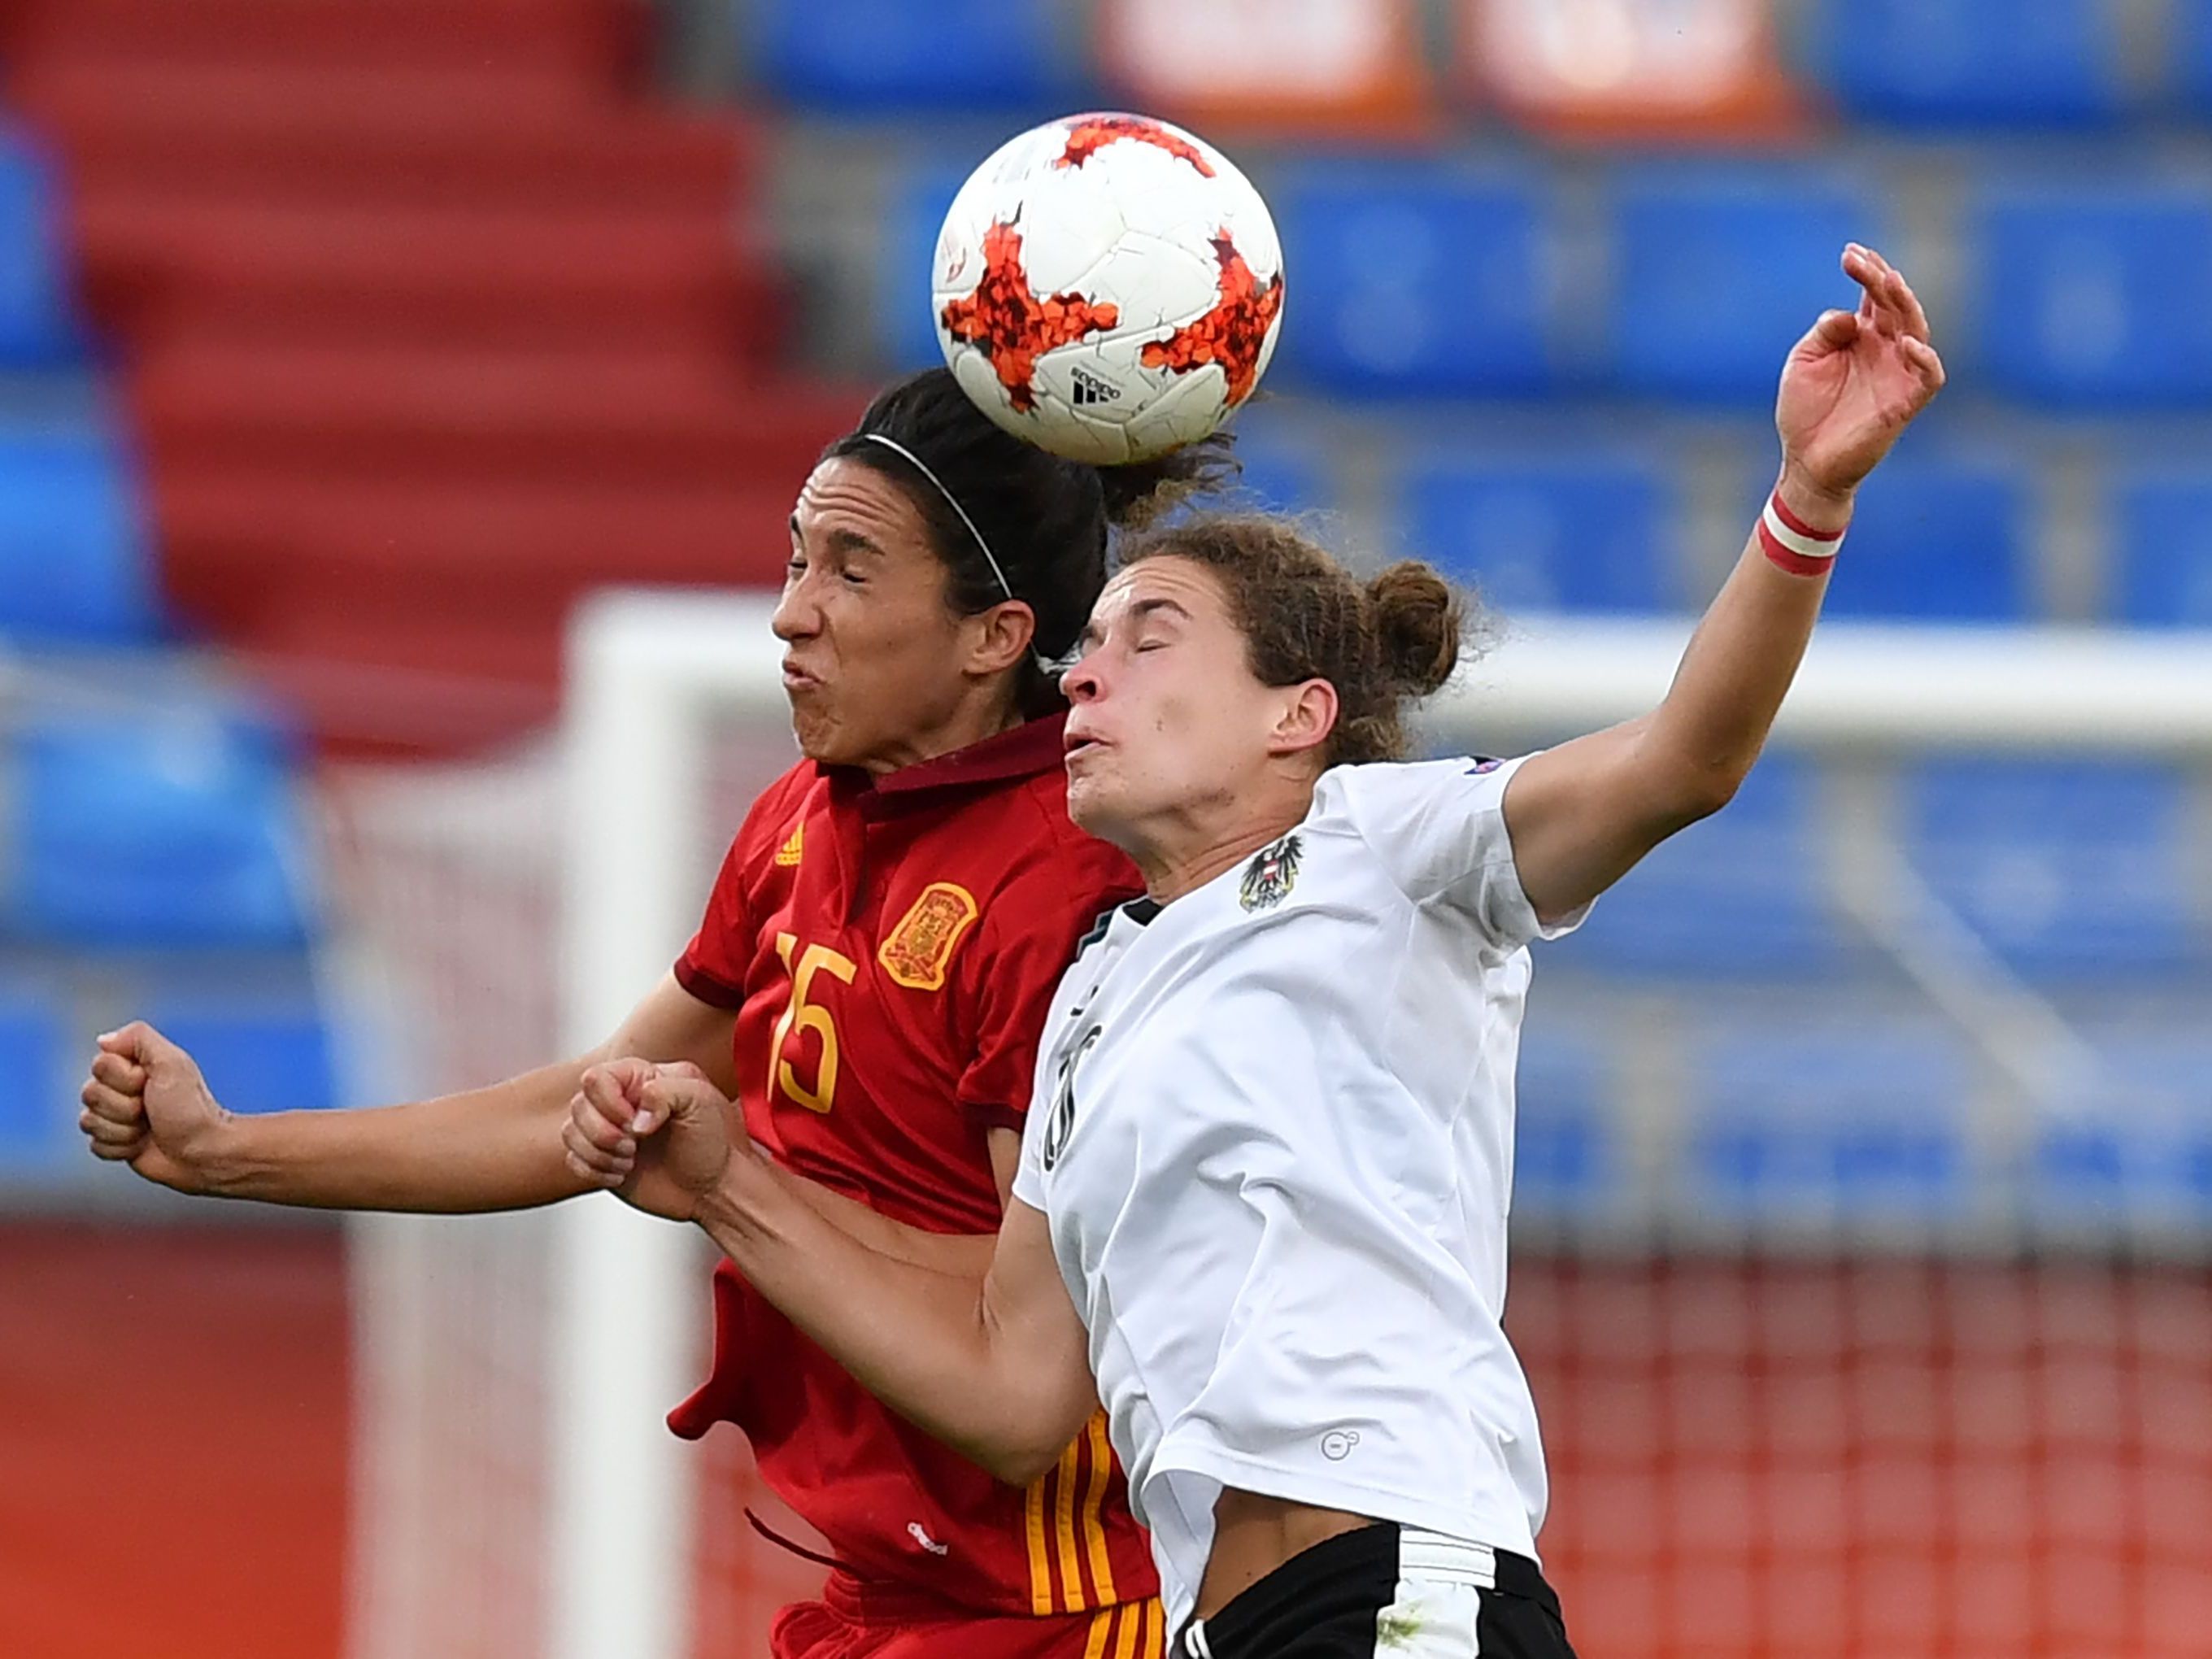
pixel 1863 1190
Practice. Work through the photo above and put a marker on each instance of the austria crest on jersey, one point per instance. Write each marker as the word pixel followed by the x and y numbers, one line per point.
pixel 1272 874
pixel 1108 287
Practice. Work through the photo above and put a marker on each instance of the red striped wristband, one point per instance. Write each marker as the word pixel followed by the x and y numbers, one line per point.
pixel 1792 544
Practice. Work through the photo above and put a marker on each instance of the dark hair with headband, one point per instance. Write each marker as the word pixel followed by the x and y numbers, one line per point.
pixel 1009 520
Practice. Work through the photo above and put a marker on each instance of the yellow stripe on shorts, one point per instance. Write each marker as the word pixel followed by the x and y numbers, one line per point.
pixel 1094 1498
pixel 1040 1565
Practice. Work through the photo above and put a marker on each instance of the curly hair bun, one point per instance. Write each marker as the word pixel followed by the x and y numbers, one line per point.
pixel 1417 622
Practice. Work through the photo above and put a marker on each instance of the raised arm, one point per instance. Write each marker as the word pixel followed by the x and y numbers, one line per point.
pixel 996 1366
pixel 496 1148
pixel 1582 814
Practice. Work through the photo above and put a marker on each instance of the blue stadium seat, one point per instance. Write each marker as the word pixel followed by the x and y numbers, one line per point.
pixel 1864 1124
pixel 1718 271
pixel 1565 1164
pixel 1970 62
pixel 1937 540
pixel 39 327
pixel 1280 477
pixel 149 829
pixel 1591 532
pixel 919 200
pixel 2138 1146
pixel 861 57
pixel 2092 297
pixel 2070 870
pixel 1413 281
pixel 1738 895
pixel 75 564
pixel 2190 53
pixel 2163 548
pixel 38 1105
pixel 256 1058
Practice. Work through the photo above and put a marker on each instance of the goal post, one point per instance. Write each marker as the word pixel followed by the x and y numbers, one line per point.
pixel 647 673
pixel 653 675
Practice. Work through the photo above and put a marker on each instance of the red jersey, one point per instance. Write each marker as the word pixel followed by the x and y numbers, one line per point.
pixel 890 947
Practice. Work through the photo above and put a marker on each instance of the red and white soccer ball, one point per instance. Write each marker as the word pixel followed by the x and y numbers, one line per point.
pixel 1108 287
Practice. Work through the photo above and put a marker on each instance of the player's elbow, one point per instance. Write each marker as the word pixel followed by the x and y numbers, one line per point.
pixel 1702 791
pixel 1021 1453
pixel 1018 1466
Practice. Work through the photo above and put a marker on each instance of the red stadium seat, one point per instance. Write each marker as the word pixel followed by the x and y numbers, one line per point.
pixel 453 139
pixel 1348 68
pixel 630 416
pixel 1629 70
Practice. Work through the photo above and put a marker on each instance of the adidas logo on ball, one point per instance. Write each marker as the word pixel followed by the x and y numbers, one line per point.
pixel 1091 389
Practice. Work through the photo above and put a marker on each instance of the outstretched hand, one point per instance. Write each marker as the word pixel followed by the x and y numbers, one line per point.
pixel 658 1137
pixel 1855 382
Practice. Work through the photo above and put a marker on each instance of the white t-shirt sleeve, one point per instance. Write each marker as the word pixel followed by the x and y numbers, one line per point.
pixel 1029 1171
pixel 1439 829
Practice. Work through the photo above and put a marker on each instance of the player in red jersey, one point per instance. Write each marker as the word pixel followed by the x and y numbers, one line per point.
pixel 868 982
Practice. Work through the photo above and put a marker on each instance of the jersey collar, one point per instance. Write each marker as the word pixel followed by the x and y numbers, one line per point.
pixel 1027 751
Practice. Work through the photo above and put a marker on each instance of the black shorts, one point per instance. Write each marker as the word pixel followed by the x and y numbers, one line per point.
pixel 1393 1591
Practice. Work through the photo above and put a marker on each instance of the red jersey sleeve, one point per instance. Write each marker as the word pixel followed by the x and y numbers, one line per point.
pixel 1026 939
pixel 713 966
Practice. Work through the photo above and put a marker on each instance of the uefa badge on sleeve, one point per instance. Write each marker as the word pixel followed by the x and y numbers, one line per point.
pixel 1270 875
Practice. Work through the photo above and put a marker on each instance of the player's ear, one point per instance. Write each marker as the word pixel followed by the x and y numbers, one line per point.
pixel 1307 714
pixel 1003 636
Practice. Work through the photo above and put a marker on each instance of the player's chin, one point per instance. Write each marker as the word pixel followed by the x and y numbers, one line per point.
pixel 1093 799
pixel 821 734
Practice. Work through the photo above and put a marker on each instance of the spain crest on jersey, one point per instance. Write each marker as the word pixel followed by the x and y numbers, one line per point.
pixel 917 952
pixel 1270 875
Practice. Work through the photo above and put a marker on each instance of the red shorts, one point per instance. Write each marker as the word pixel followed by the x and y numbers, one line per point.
pixel 856 1621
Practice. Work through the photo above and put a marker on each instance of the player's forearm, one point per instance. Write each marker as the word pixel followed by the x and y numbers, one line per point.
pixel 1702 740
pixel 914 1336
pixel 489 1149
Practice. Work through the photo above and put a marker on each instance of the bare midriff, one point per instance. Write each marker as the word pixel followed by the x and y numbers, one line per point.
pixel 1253 1535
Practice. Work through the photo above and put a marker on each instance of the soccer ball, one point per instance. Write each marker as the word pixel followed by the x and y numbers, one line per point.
pixel 1108 287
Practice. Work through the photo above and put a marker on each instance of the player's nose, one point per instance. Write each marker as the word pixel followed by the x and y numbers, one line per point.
pixel 797 615
pixel 1080 684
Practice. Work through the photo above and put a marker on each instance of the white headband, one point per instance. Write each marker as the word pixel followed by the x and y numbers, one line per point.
pixel 1055 666
pixel 951 500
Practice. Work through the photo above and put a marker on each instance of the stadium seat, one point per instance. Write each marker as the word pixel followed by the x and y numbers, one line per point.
pixel 75 565
pixel 1279 477
pixel 1298 67
pixel 1413 281
pixel 255 1057
pixel 2069 869
pixel 39 324
pixel 1741 896
pixel 37 1106
pixel 147 830
pixel 908 330
pixel 1970 62
pixel 1590 532
pixel 1718 271
pixel 1565 1164
pixel 1704 69
pixel 1864 1125
pixel 1938 540
pixel 2137 1145
pixel 2091 296
pixel 2190 54
pixel 861 57
pixel 2163 550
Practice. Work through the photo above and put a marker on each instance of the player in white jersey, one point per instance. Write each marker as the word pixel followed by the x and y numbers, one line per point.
pixel 1260 1211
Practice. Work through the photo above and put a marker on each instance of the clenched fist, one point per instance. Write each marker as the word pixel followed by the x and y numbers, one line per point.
pixel 147 1105
pixel 658 1137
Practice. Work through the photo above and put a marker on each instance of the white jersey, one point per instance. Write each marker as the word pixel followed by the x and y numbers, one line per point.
pixel 1271 1130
